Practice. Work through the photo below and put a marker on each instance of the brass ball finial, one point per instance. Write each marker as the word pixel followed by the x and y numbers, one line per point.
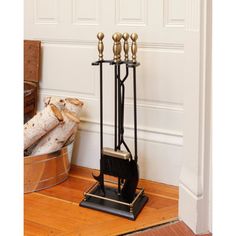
pixel 125 36
pixel 117 37
pixel 134 37
pixel 117 46
pixel 100 36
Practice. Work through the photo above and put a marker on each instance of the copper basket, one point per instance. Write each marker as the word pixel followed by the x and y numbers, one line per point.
pixel 46 170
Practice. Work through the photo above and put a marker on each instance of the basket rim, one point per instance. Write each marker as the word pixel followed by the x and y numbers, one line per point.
pixel 51 153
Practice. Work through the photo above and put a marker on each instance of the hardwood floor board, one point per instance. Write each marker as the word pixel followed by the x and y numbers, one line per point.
pixel 82 171
pixel 172 229
pixel 148 218
pixel 72 190
pixel 56 210
pixel 160 189
pixel 60 215
pixel 158 202
pixel 32 229
pixel 149 186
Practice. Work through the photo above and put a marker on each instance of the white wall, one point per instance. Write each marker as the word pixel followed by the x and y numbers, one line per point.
pixel 68 31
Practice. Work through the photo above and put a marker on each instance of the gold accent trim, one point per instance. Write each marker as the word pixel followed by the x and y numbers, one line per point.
pixel 118 154
pixel 117 46
pixel 134 47
pixel 100 37
pixel 87 193
pixel 126 45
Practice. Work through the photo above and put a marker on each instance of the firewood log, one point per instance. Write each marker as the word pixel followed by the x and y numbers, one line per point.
pixel 57 101
pixel 74 105
pixel 41 124
pixel 72 137
pixel 56 138
pixel 71 104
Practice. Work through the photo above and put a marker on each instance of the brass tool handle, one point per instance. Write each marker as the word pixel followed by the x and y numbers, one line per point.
pixel 117 46
pixel 126 45
pixel 134 47
pixel 100 37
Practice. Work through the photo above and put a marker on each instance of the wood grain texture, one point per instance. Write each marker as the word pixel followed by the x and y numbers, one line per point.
pixel 40 230
pixel 56 211
pixel 32 67
pixel 172 229
pixel 32 59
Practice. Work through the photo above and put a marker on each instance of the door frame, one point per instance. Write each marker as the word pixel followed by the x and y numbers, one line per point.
pixel 195 177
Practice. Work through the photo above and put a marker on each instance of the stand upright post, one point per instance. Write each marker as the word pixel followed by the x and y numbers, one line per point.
pixel 100 178
pixel 134 38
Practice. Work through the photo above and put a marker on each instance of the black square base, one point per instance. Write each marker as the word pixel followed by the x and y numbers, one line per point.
pixel 112 207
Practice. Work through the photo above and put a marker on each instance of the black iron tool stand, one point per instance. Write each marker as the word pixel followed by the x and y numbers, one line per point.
pixel 121 197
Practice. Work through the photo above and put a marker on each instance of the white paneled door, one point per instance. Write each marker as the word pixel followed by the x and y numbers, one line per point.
pixel 68 31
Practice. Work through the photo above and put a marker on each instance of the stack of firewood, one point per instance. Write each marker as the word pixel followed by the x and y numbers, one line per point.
pixel 53 127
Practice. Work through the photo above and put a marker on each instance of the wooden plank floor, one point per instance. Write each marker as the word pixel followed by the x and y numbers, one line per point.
pixel 56 211
pixel 172 229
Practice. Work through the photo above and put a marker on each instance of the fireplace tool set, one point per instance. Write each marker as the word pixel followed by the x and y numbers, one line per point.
pixel 122 197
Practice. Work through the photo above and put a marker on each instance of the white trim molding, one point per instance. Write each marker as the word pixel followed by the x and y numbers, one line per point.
pixel 146 134
pixel 194 201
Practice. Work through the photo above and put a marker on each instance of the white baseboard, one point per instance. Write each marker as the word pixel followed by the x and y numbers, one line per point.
pixel 192 210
